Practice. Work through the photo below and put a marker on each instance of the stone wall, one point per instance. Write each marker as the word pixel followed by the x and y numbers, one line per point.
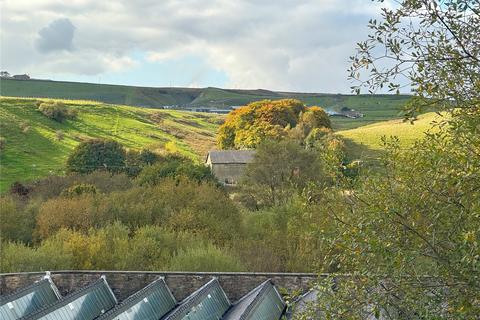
pixel 124 283
pixel 230 173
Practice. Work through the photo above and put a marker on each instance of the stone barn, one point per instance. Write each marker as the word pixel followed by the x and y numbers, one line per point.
pixel 228 166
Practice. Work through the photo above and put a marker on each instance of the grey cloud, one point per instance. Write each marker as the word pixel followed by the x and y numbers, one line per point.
pixel 57 36
pixel 282 44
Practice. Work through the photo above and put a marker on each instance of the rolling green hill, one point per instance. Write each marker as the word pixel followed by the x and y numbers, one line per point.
pixel 35 145
pixel 365 142
pixel 375 107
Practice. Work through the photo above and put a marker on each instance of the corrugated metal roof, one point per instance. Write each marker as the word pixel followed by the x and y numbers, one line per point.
pixel 262 303
pixel 207 303
pixel 86 304
pixel 28 299
pixel 231 156
pixel 150 303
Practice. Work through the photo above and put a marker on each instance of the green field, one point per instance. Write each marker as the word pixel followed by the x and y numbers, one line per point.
pixel 375 107
pixel 366 142
pixel 33 148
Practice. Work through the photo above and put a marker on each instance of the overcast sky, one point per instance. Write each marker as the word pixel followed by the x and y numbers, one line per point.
pixel 290 45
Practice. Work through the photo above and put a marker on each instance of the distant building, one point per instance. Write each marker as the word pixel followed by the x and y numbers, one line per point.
pixel 21 77
pixel 345 112
pixel 228 166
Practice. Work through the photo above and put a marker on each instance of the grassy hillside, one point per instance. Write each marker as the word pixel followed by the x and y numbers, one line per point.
pixel 375 107
pixel 365 142
pixel 33 148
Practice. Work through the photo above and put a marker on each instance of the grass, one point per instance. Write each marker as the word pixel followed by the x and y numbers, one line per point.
pixel 366 142
pixel 33 148
pixel 375 107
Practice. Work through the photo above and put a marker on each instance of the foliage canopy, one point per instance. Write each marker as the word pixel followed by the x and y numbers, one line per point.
pixel 248 126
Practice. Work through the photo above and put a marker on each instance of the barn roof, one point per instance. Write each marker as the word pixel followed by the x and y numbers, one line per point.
pixel 231 156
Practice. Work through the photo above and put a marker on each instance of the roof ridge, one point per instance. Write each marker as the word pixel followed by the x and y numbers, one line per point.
pixel 257 288
pixel 266 285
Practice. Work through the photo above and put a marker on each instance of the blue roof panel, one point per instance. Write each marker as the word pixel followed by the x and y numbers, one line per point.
pixel 262 303
pixel 150 303
pixel 86 304
pixel 28 299
pixel 207 303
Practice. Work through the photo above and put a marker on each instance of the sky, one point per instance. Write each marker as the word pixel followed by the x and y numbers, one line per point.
pixel 289 45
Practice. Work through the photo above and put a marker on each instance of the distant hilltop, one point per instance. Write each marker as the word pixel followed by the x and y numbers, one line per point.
pixel 208 99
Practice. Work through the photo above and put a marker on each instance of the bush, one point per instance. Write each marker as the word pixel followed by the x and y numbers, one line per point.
pixel 17 220
pixel 3 142
pixel 19 189
pixel 104 182
pixel 78 190
pixel 24 127
pixel 316 117
pixel 209 258
pixel 56 111
pixel 59 135
pixel 135 161
pixel 95 155
pixel 178 205
pixel 175 167
pixel 78 214
pixel 114 247
pixel 17 257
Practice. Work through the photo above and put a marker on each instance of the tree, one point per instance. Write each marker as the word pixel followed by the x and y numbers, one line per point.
pixel 278 170
pixel 175 167
pixel 432 46
pixel 256 122
pixel 135 161
pixel 95 155
pixel 409 238
pixel 315 117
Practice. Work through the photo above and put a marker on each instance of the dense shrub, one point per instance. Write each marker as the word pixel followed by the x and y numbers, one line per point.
pixel 175 167
pixel 18 257
pixel 3 143
pixel 17 220
pixel 135 161
pixel 248 126
pixel 114 247
pixel 104 182
pixel 78 190
pixel 80 213
pixel 316 117
pixel 179 205
pixel 19 189
pixel 95 155
pixel 279 170
pixel 56 111
pixel 209 258
pixel 59 135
